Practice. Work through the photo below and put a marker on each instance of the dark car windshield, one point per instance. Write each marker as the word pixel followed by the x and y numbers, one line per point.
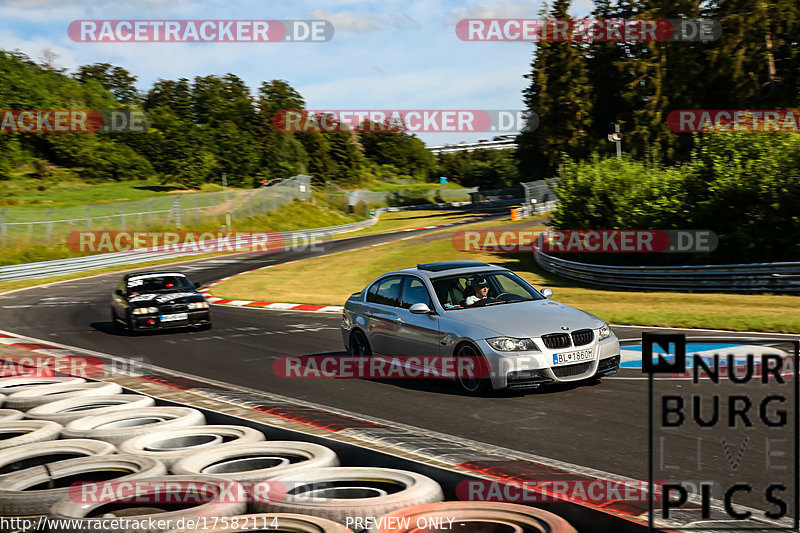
pixel 158 283
pixel 459 292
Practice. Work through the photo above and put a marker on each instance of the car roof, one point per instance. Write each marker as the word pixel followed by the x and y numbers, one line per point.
pixel 151 272
pixel 447 268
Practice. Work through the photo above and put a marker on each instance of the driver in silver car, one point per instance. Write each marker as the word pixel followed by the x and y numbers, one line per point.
pixel 481 288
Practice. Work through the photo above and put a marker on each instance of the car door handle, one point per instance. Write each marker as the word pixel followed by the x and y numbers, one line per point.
pixel 398 320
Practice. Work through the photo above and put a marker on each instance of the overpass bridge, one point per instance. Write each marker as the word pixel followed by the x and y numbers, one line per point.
pixel 506 142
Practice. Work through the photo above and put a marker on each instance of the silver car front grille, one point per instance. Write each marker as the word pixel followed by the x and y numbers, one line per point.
pixel 554 341
pixel 572 370
pixel 582 336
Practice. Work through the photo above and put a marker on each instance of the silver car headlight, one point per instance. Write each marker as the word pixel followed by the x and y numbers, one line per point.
pixel 145 310
pixel 198 305
pixel 605 332
pixel 510 344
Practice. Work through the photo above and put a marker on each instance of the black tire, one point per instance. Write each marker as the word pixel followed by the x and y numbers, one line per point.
pixel 337 493
pixel 28 399
pixel 359 345
pixel 473 385
pixel 129 329
pixel 255 461
pixel 169 445
pixel 475 516
pixel 36 454
pixel 21 432
pixel 118 426
pixel 115 321
pixel 65 411
pixel 228 499
pixel 25 493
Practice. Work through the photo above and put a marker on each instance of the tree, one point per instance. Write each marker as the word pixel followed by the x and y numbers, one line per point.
pixel 397 148
pixel 282 154
pixel 119 81
pixel 561 95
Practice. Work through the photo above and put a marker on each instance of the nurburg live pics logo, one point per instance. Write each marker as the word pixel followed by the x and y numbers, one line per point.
pixel 744 407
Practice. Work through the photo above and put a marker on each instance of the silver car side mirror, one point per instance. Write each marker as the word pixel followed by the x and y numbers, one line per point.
pixel 420 309
pixel 547 293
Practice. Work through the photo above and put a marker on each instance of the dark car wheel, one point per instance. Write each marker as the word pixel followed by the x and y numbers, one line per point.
pixel 359 345
pixel 473 382
pixel 129 327
pixel 114 321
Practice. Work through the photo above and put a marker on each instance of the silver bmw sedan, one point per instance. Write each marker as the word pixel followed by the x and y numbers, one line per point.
pixel 513 335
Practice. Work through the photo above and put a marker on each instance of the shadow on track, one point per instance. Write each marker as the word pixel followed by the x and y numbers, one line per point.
pixel 308 370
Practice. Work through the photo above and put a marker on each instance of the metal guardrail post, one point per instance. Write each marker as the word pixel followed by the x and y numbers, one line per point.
pixel 176 211
pixel 48 226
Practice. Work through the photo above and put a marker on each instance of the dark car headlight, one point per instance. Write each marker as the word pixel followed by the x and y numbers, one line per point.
pixel 510 344
pixel 198 305
pixel 144 310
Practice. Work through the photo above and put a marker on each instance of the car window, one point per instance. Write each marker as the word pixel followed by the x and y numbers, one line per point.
pixel 154 283
pixel 415 292
pixel 386 291
pixel 452 291
pixel 512 286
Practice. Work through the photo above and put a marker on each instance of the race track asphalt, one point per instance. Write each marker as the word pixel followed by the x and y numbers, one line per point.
pixel 602 425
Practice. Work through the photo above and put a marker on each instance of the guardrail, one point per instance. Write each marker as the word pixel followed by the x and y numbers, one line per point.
pixel 754 277
pixel 71 265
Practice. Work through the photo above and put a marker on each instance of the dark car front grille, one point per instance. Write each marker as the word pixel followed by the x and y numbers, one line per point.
pixel 572 370
pixel 610 363
pixel 173 308
pixel 554 341
pixel 582 336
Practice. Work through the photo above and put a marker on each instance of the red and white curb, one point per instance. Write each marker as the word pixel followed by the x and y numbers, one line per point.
pixel 36 346
pixel 280 306
pixel 252 304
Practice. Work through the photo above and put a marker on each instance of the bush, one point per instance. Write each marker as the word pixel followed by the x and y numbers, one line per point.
pixel 744 187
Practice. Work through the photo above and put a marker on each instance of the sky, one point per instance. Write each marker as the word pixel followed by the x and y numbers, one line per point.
pixel 385 54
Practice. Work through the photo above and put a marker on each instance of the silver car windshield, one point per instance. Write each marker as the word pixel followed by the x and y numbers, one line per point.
pixel 483 289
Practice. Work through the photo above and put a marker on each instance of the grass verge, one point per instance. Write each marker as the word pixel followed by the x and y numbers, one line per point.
pixel 291 217
pixel 348 272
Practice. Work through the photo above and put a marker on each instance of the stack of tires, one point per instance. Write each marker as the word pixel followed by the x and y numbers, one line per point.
pixel 68 447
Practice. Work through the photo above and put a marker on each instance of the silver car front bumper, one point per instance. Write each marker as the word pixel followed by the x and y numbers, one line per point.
pixel 530 369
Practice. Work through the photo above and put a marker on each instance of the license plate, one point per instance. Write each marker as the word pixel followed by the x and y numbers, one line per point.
pixel 178 316
pixel 572 357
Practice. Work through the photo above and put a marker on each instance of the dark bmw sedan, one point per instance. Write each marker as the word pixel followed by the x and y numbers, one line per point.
pixel 158 300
